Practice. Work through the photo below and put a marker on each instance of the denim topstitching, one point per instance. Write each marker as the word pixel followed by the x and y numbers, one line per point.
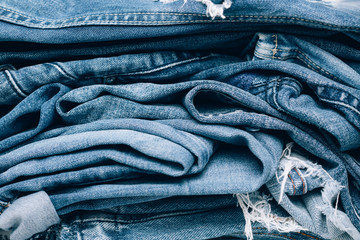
pixel 13 84
pixel 47 24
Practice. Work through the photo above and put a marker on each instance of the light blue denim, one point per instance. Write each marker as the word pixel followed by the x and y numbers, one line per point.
pixel 165 66
pixel 134 156
pixel 335 162
pixel 341 91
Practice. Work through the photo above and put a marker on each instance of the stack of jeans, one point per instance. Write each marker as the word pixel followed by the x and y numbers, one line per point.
pixel 172 119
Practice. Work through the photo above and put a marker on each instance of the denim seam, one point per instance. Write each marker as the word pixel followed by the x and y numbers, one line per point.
pixel 142 219
pixel 307 235
pixel 147 71
pixel 302 180
pixel 161 23
pixel 13 84
pixel 324 99
pixel 292 181
pixel 342 104
pixel 62 71
pixel 276 235
pixel 163 13
pixel 274 95
pixel 165 66
pixel 338 101
pixel 309 63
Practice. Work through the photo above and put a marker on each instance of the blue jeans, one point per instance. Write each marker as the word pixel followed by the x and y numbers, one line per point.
pixel 173 108
pixel 120 20
pixel 166 66
pixel 195 217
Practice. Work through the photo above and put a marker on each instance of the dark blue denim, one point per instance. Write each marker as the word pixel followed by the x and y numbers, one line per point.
pixel 27 54
pixel 73 22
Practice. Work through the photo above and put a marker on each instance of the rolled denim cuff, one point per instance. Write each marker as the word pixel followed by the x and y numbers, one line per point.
pixel 8 92
pixel 28 215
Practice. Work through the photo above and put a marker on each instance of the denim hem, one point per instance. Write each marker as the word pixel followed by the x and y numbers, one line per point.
pixel 158 18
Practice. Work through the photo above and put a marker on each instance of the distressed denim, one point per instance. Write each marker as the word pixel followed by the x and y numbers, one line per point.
pixel 242 75
pixel 156 127
pixel 195 217
pixel 174 146
pixel 76 22
pixel 208 102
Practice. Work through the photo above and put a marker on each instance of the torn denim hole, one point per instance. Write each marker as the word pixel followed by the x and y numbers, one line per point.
pixel 212 10
pixel 330 192
pixel 256 208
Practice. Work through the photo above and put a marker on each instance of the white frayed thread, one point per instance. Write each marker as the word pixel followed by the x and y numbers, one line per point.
pixel 212 10
pixel 290 161
pixel 256 208
pixel 329 193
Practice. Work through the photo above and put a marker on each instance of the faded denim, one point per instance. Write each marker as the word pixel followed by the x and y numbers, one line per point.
pixel 184 216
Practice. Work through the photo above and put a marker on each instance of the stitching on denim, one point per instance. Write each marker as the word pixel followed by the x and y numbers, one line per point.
pixel 159 23
pixel 141 219
pixel 148 71
pixel 174 14
pixel 62 70
pixel 303 59
pixel 302 180
pixel 313 237
pixel 258 54
pixel 275 50
pixel 14 85
pixel 292 181
pixel 274 95
pixel 307 235
pixel 276 235
pixel 342 104
pixel 337 101
pixel 326 86
pixel 166 66
pixel 106 14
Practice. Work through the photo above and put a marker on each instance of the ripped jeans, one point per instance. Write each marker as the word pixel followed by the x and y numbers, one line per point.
pixel 180 117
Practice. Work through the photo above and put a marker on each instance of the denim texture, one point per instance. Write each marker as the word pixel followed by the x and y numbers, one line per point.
pixel 152 67
pixel 174 146
pixel 218 119
pixel 181 213
pixel 115 20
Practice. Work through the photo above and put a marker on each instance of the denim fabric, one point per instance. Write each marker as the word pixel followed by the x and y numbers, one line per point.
pixel 336 163
pixel 29 214
pixel 204 217
pixel 31 116
pixel 112 20
pixel 150 67
pixel 137 134
pixel 295 49
pixel 174 147
pixel 344 97
pixel 28 54
pixel 207 101
pixel 241 75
